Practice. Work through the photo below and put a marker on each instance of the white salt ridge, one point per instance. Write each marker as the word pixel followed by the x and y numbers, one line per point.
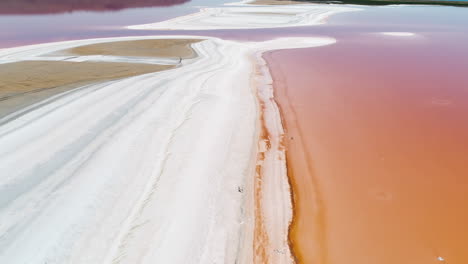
pixel 144 169
pixel 243 16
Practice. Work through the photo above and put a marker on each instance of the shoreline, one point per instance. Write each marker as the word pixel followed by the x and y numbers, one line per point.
pixel 271 241
pixel 301 243
pixel 272 181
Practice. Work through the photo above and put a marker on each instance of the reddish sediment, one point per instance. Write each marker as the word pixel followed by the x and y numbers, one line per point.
pixel 376 153
pixel 260 242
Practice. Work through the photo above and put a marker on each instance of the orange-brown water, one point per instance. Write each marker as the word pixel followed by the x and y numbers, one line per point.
pixel 377 131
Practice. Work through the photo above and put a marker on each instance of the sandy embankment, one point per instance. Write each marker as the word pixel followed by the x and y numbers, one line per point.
pixel 306 233
pixel 24 83
pixel 165 48
pixel 274 212
pixel 35 77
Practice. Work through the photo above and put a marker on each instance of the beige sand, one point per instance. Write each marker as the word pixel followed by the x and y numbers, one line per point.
pixel 27 82
pixel 167 48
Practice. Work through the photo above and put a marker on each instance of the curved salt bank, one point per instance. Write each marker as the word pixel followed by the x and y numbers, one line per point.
pixel 249 17
pixel 144 169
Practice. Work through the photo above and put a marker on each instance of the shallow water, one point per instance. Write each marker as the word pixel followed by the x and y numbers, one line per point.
pixel 377 138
